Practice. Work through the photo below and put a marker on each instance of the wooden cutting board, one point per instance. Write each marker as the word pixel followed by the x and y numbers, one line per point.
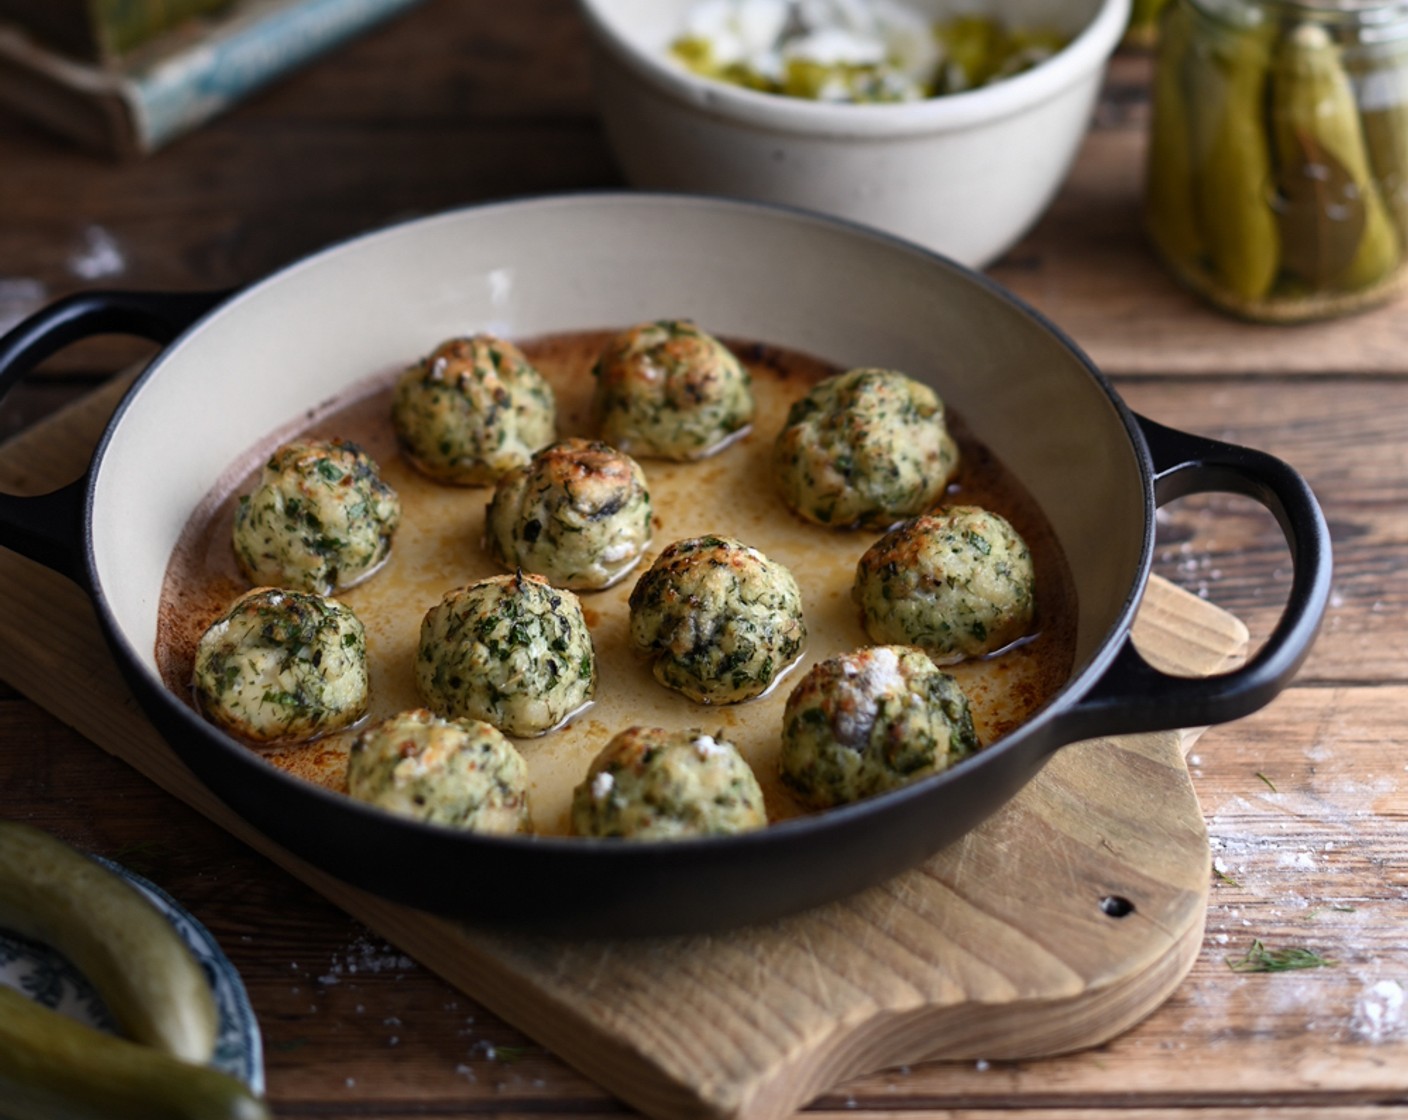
pixel 1062 921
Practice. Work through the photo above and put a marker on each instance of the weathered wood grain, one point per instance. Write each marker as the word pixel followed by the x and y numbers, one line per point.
pixel 1332 834
pixel 1318 862
pixel 464 100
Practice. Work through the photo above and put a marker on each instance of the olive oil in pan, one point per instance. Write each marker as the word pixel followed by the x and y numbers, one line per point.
pixel 439 546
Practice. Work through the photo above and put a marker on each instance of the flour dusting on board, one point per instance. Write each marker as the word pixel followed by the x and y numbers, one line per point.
pixel 1290 858
pixel 1379 1011
pixel 97 256
pixel 364 956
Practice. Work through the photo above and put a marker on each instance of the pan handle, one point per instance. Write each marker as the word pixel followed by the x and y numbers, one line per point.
pixel 1132 695
pixel 49 528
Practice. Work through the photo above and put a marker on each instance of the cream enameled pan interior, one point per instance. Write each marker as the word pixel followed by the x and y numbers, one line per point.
pixel 524 269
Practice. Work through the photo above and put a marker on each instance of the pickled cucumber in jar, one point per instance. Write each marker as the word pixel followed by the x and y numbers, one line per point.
pixel 1277 178
pixel 1338 232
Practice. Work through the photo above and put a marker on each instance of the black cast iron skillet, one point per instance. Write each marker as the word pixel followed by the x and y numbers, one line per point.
pixel 1131 466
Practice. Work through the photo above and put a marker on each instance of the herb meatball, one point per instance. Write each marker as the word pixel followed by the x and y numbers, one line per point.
pixel 958 582
pixel 667 390
pixel 653 784
pixel 461 773
pixel 864 448
pixel 319 519
pixel 577 514
pixel 509 650
pixel 283 666
pixel 720 619
pixel 869 721
pixel 473 410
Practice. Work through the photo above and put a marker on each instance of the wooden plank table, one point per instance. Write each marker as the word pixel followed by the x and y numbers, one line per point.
pixel 464 100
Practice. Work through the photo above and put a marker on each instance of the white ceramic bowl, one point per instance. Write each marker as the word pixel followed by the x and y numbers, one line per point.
pixel 966 174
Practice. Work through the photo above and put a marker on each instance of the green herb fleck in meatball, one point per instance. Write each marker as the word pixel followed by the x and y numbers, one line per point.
pixel 509 650
pixel 959 582
pixel 578 515
pixel 319 519
pixel 720 619
pixel 864 448
pixel 472 411
pixel 653 784
pixel 869 721
pixel 283 666
pixel 459 773
pixel 667 390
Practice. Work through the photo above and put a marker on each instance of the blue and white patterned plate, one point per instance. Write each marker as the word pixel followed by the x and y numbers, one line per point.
pixel 47 977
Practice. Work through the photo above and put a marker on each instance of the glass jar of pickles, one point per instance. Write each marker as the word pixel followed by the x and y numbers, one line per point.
pixel 1277 180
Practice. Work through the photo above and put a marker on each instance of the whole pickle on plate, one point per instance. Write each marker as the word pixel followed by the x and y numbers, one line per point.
pixel 52 1067
pixel 1335 229
pixel 150 982
pixel 1224 84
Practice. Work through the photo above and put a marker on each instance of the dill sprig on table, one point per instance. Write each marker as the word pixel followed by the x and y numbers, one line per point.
pixel 1261 959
